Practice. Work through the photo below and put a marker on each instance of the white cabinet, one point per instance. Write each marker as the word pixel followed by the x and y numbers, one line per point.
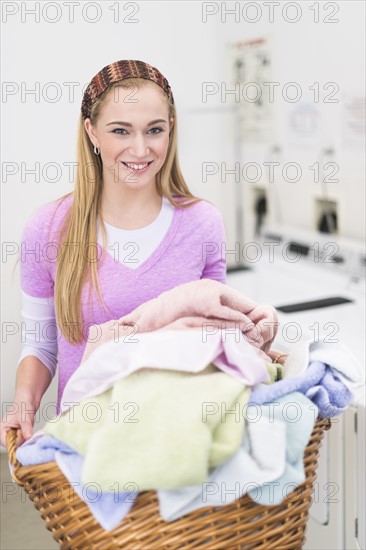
pixel 325 528
pixel 355 482
pixel 337 515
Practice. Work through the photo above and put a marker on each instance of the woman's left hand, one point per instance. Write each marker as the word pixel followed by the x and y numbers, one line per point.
pixel 274 354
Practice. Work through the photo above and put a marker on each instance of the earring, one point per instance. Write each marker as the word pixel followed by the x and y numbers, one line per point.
pixel 96 150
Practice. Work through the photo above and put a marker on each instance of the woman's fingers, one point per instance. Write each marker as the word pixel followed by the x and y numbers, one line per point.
pixel 24 429
pixel 4 430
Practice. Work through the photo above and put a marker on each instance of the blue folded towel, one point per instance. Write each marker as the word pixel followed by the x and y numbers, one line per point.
pixel 319 383
pixel 40 450
pixel 108 508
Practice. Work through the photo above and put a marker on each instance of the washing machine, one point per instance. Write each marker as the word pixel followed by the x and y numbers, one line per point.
pixel 317 284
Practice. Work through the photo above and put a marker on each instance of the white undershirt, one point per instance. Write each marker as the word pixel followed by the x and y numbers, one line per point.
pixel 130 247
pixel 133 246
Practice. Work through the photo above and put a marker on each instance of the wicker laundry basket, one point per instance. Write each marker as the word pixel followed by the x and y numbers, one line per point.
pixel 242 524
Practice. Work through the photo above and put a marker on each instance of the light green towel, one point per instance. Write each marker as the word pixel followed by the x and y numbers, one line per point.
pixel 157 429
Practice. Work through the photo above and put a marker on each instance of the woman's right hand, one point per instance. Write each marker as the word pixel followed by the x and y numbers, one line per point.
pixel 20 415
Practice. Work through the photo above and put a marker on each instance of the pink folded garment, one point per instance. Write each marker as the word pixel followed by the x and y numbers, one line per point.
pixel 205 303
pixel 208 300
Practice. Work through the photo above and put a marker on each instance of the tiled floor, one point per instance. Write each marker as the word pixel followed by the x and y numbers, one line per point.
pixel 21 524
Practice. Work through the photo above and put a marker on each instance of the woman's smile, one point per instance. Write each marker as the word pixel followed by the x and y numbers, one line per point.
pixel 138 167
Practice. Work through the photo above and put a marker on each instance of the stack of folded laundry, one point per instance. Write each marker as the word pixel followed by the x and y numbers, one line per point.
pixel 181 397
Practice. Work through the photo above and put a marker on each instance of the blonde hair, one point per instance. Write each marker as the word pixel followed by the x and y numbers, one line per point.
pixel 80 224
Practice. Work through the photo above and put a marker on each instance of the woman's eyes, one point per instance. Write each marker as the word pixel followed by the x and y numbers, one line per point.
pixel 117 130
pixel 156 128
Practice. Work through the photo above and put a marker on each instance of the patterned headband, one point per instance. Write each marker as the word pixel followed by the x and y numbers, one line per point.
pixel 120 70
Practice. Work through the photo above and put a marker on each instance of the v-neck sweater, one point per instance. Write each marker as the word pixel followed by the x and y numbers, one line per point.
pixel 193 247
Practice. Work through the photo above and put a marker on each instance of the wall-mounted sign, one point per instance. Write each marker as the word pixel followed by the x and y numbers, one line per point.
pixel 353 120
pixel 250 74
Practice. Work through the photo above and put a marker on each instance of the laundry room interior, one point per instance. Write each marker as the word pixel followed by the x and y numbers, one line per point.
pixel 270 103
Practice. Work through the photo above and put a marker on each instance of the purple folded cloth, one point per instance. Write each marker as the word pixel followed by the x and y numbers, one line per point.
pixel 108 508
pixel 318 383
pixel 40 450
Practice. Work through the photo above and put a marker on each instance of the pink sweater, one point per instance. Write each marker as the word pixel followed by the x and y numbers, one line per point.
pixel 193 248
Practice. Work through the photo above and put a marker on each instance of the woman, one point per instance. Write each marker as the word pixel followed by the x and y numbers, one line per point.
pixel 129 194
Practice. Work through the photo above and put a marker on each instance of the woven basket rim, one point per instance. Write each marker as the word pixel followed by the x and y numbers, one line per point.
pixel 242 523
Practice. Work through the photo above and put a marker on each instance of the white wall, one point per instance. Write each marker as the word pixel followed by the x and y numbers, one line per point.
pixel 172 37
pixel 306 52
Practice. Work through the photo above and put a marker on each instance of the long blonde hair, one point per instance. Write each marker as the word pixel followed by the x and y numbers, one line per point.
pixel 80 224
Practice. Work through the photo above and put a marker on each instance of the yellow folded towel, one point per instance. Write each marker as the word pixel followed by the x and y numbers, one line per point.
pixel 156 429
